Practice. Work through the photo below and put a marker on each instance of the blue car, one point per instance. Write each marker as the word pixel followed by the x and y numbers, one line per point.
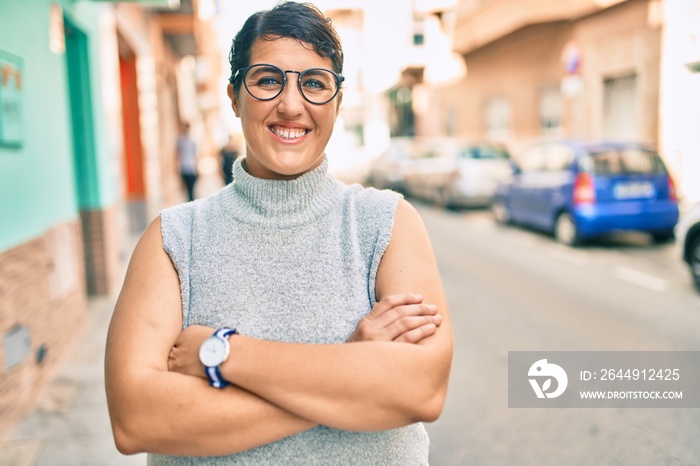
pixel 580 190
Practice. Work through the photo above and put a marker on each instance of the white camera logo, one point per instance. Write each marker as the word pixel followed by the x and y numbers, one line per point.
pixel 544 369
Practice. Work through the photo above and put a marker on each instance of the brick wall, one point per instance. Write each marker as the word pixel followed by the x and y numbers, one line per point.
pixel 42 292
pixel 101 250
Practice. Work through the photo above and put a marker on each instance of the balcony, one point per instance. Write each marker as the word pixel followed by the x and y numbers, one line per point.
pixel 482 22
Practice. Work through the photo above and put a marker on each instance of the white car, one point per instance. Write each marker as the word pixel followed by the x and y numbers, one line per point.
pixel 455 173
pixel 688 240
pixel 387 172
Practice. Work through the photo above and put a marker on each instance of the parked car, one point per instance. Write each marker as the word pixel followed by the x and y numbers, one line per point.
pixel 387 172
pixel 579 190
pixel 456 173
pixel 688 234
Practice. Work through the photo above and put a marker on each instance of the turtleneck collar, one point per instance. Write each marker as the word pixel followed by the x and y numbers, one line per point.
pixel 280 203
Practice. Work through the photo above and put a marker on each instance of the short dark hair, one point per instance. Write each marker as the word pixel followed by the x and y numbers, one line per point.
pixel 301 21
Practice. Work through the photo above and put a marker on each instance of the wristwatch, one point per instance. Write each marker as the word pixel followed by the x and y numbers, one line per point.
pixel 214 352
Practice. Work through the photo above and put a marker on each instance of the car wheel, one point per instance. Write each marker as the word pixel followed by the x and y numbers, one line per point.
pixel 444 198
pixel 663 236
pixel 566 231
pixel 500 212
pixel 694 261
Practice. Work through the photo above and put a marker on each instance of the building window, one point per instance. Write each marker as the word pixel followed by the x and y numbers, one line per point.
pixel 497 118
pixel 418 32
pixel 550 111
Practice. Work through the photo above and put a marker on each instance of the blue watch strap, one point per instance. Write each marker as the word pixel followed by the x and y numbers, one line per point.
pixel 225 332
pixel 217 380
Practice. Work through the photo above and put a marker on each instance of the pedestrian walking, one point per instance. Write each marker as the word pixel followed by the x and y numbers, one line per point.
pixel 187 159
pixel 289 318
pixel 229 153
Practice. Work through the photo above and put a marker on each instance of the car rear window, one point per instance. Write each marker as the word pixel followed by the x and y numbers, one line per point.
pixel 484 153
pixel 630 161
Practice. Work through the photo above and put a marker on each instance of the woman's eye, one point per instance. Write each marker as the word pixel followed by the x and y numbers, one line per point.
pixel 314 84
pixel 268 81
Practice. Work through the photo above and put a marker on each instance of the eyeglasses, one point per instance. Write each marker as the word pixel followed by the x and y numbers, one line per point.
pixel 265 82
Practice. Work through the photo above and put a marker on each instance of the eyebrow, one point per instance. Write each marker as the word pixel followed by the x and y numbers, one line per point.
pixel 314 71
pixel 263 68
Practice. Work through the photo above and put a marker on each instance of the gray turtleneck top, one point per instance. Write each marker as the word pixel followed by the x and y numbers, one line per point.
pixel 292 261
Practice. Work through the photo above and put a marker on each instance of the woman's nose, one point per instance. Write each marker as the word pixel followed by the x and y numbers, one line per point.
pixel 291 100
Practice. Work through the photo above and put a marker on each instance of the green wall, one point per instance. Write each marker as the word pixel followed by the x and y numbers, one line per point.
pixel 37 180
pixel 85 14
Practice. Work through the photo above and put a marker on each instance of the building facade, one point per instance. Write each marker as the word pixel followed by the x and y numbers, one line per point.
pixel 680 90
pixel 91 97
pixel 580 69
pixel 58 196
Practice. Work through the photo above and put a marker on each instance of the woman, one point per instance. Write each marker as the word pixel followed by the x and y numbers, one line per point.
pixel 343 342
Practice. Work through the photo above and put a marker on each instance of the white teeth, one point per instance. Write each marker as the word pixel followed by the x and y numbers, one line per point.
pixel 288 134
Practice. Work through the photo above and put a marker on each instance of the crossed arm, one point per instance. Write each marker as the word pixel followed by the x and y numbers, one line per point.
pixel 392 372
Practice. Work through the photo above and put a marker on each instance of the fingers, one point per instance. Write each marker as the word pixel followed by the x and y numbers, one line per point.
pixel 398 318
pixel 390 302
pixel 172 360
pixel 409 323
pixel 417 334
pixel 410 329
pixel 399 313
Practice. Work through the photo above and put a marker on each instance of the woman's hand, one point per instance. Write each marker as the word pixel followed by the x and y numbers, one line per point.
pixel 401 318
pixel 184 356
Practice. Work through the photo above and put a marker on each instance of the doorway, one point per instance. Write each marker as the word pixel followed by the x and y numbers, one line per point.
pixel 135 186
pixel 84 156
pixel 620 115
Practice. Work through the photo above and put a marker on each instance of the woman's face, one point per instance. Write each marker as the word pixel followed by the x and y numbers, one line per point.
pixel 285 136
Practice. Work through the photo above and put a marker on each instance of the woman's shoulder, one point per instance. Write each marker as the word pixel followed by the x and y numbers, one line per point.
pixel 374 208
pixel 178 213
pixel 185 215
pixel 371 197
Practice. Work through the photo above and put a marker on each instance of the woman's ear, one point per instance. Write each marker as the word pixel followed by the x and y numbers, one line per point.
pixel 233 97
pixel 339 98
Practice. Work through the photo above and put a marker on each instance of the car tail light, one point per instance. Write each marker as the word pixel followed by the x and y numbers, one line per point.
pixel 584 191
pixel 672 195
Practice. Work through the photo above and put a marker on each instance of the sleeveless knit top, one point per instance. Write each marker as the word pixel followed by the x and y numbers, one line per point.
pixel 292 261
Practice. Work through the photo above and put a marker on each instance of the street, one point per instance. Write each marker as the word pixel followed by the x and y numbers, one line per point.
pixel 511 289
pixel 508 289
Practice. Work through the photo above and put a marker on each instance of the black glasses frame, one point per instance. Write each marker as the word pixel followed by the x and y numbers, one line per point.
pixel 241 73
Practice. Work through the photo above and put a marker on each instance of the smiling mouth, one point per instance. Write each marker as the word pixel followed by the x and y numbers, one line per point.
pixel 289 134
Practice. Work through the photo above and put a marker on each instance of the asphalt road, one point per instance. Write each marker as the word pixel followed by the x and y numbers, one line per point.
pixel 511 289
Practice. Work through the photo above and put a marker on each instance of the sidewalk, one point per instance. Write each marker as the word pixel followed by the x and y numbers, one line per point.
pixel 69 425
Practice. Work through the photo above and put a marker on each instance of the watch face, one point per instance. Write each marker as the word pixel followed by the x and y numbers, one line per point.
pixel 213 351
